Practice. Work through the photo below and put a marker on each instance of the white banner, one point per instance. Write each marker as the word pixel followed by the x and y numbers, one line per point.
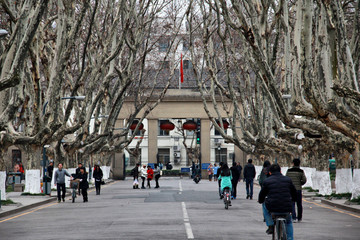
pixel 321 182
pixel 343 180
pixel 32 181
pixel 356 184
pixel 2 185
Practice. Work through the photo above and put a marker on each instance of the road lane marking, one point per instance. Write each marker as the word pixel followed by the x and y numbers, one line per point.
pixel 180 188
pixel 25 213
pixel 188 229
pixel 332 208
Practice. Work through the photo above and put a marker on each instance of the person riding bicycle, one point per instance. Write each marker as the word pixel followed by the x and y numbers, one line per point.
pixel 225 177
pixel 278 192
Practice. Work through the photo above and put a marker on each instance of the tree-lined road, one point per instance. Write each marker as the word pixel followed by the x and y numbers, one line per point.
pixel 180 209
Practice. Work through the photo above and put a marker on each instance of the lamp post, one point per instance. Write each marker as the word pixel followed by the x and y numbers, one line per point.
pixel 45 178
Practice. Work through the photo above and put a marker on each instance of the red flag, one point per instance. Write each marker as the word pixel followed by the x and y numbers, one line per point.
pixel 181 70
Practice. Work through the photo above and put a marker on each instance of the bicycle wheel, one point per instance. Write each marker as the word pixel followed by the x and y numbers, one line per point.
pixel 226 205
pixel 283 235
pixel 73 195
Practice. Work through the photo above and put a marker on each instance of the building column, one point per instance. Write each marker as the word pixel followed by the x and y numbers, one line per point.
pixel 152 140
pixel 118 164
pixel 205 143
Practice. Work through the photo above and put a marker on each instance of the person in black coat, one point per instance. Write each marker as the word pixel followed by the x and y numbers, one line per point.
pixel 249 175
pixel 278 192
pixel 84 184
pixel 235 179
pixel 97 175
pixel 77 171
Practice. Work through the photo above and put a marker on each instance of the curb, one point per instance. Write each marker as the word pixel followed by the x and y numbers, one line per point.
pixel 30 206
pixel 341 206
pixel 27 207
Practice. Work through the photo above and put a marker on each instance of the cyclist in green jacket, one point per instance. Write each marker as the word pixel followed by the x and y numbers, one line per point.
pixel 225 177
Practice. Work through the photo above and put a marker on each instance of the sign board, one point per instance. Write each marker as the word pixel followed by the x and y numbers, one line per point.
pixel 152 165
pixel 205 166
pixel 185 170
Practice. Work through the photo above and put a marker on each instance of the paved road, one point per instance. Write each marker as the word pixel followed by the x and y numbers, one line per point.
pixel 180 209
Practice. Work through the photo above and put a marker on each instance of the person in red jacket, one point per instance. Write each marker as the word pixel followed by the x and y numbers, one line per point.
pixel 150 175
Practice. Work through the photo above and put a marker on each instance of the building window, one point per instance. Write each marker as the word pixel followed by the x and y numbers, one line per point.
pixel 220 155
pixel 132 159
pixel 217 133
pixel 164 44
pixel 185 45
pixel 160 131
pixel 164 64
pixel 164 155
pixel 187 64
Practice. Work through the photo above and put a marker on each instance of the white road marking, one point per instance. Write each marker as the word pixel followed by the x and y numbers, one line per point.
pixel 188 229
pixel 180 188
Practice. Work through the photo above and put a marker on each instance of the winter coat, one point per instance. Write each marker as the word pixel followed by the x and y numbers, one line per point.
pixel 297 176
pixel 235 173
pixel 249 171
pixel 84 184
pixel 156 171
pixel 60 176
pixel 263 175
pixel 98 175
pixel 278 193
pixel 226 181
pixel 150 174
pixel 143 172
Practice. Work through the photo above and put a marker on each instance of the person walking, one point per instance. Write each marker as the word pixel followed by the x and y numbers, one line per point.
pixel 50 169
pixel 277 193
pixel 59 180
pixel 298 178
pixel 235 179
pixel 84 184
pixel 135 173
pixel 77 172
pixel 150 175
pixel 143 174
pixel 239 167
pixel 210 171
pixel 249 175
pixel 97 175
pixel 157 175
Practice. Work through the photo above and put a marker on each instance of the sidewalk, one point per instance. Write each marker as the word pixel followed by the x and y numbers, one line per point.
pixel 337 203
pixel 23 203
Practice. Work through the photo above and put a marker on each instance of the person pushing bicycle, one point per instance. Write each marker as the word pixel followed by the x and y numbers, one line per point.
pixel 278 193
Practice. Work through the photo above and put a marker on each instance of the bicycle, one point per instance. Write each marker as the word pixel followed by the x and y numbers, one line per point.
pixel 74 184
pixel 279 226
pixel 227 200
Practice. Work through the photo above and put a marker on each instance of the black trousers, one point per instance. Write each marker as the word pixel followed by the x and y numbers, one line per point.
pixel 234 186
pixel 143 182
pixel 97 186
pixel 84 194
pixel 148 182
pixel 157 180
pixel 60 187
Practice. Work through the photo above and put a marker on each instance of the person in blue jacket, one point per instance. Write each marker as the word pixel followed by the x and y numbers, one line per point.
pixel 225 177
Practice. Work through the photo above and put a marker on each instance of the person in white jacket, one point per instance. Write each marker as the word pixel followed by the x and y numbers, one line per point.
pixel 143 174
